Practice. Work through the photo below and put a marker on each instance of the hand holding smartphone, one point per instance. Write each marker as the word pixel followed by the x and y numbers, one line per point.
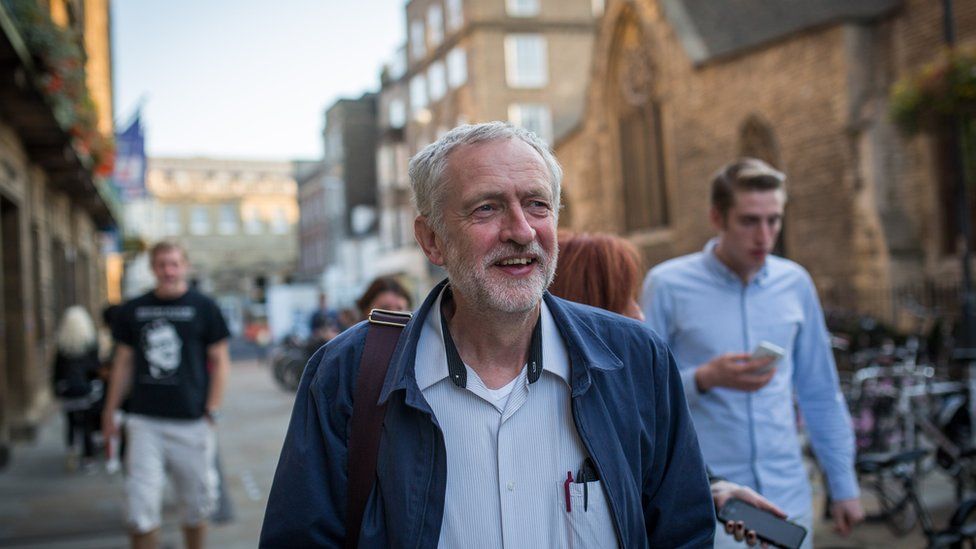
pixel 768 527
pixel 767 350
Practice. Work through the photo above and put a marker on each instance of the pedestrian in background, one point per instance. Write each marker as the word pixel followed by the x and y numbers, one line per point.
pixel 76 382
pixel 603 270
pixel 164 342
pixel 385 292
pixel 714 308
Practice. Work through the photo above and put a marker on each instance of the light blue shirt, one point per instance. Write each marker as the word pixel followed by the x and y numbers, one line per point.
pixel 702 309
pixel 507 459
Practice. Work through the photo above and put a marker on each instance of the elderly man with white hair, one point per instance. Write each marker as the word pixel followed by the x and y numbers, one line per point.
pixel 512 418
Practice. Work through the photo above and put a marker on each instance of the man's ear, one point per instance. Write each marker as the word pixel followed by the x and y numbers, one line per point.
pixel 428 240
pixel 717 218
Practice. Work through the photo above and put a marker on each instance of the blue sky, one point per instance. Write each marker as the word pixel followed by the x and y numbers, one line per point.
pixel 246 78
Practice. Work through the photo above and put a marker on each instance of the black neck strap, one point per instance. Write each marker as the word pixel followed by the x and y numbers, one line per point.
pixel 455 366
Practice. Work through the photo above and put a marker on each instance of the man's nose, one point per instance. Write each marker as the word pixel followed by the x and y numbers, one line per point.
pixel 517 228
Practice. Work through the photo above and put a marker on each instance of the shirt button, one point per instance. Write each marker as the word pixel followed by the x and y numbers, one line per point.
pixel 511 486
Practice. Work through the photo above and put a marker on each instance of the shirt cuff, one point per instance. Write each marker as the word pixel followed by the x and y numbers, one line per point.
pixel 843 486
pixel 691 387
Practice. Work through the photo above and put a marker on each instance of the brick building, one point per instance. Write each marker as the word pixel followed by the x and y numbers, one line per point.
pixel 237 219
pixel 474 61
pixel 52 203
pixel 680 87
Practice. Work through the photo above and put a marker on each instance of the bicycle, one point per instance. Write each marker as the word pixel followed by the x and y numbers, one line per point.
pixel 900 469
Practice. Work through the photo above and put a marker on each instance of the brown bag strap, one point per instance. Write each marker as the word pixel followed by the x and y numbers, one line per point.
pixel 366 423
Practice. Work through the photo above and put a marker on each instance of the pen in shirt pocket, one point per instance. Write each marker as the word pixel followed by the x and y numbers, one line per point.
pixel 587 473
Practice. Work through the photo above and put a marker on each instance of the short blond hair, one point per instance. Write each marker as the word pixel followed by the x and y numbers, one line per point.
pixel 164 246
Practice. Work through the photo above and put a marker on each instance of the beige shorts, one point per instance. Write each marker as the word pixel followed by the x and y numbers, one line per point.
pixel 185 448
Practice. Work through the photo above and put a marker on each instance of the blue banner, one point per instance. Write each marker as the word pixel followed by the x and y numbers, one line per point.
pixel 129 176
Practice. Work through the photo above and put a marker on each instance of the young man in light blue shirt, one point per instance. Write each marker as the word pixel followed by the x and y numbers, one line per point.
pixel 713 308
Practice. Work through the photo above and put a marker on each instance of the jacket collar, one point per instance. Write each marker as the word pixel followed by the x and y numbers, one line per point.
pixel 587 350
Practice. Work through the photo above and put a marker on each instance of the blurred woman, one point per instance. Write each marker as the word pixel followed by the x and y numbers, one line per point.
pixel 76 367
pixel 385 293
pixel 604 270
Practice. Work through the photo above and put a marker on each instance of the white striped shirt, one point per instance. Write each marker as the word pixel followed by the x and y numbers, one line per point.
pixel 508 459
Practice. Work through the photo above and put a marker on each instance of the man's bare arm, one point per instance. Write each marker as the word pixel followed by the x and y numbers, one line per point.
pixel 119 382
pixel 218 358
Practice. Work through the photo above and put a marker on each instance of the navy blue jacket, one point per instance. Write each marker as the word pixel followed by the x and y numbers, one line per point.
pixel 627 401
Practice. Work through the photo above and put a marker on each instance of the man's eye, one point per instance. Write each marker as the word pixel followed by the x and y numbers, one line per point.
pixel 484 208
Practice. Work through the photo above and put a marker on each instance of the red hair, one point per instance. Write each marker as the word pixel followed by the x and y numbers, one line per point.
pixel 599 269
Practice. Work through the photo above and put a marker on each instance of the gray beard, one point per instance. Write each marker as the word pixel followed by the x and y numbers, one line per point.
pixel 517 297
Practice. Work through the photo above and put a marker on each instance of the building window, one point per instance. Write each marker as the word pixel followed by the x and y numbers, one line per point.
pixel 598 7
pixel 253 224
pixel 396 113
pixel 455 14
pixel 227 223
pixel 435 25
pixel 522 8
pixel 436 81
pixel 279 221
pixel 457 68
pixel 526 64
pixel 199 220
pixel 534 117
pixel 171 221
pixel 417 47
pixel 947 149
pixel 418 93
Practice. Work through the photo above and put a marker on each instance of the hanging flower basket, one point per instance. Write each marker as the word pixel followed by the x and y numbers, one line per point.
pixel 62 62
pixel 942 91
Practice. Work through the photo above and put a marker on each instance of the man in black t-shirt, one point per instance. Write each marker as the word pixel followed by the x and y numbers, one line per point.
pixel 172 360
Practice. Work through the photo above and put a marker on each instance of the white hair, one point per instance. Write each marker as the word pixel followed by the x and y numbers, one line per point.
pixel 427 167
pixel 76 332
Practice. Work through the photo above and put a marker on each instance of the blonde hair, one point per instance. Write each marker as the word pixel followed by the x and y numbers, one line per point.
pixel 76 332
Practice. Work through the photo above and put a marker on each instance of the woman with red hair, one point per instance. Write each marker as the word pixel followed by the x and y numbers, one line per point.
pixel 598 269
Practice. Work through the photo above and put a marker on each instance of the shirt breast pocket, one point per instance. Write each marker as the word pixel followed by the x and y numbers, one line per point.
pixel 588 522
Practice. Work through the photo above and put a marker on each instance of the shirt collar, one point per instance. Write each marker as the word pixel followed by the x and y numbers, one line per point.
pixel 721 270
pixel 432 365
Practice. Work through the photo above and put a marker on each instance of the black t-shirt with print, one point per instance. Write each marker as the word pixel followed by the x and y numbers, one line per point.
pixel 169 339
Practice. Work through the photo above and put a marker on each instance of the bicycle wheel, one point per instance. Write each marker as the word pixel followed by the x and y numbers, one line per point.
pixel 898 514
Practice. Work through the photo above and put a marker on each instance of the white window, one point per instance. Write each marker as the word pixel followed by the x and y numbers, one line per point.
pixel 597 7
pixel 396 113
pixel 522 8
pixel 171 221
pixel 253 224
pixel 435 25
pixel 227 224
pixel 436 81
pixel 199 220
pixel 455 14
pixel 526 64
pixel 534 117
pixel 417 47
pixel 279 221
pixel 457 68
pixel 418 93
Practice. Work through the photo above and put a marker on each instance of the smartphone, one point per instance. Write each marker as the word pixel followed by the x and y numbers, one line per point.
pixel 769 528
pixel 767 349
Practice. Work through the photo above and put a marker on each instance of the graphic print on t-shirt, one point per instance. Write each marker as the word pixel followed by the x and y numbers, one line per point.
pixel 163 347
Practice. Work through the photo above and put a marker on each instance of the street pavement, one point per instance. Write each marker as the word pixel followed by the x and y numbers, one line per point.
pixel 44 505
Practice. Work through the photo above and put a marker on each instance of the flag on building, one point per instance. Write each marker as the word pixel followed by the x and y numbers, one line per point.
pixel 129 176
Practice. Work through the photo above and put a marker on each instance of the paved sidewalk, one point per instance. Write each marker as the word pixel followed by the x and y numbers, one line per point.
pixel 44 505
